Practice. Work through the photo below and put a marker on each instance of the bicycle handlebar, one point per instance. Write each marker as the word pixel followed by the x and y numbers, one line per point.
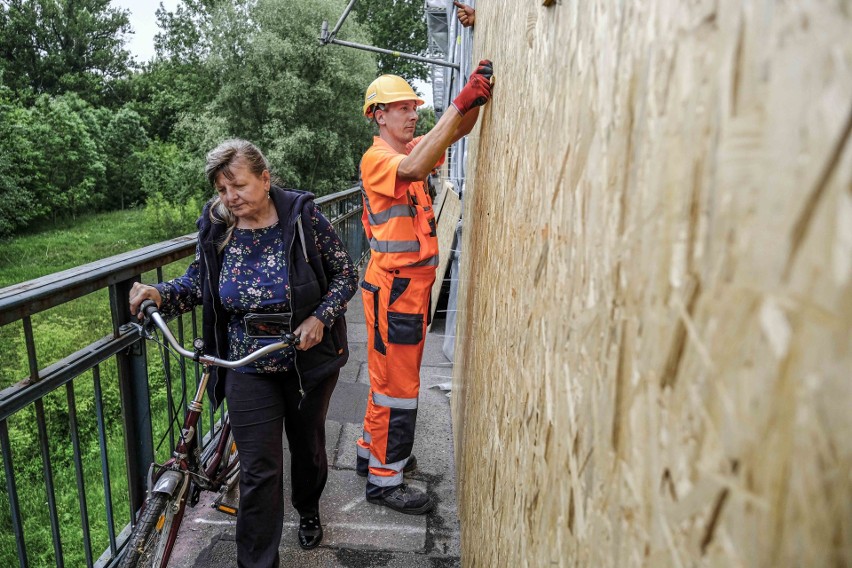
pixel 152 315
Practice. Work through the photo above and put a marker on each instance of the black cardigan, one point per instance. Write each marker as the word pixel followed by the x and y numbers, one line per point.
pixel 308 286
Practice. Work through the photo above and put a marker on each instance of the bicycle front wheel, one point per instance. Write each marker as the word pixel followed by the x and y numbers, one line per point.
pixel 147 545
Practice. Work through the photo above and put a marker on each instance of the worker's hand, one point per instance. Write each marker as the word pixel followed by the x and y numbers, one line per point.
pixel 309 333
pixel 141 292
pixel 465 13
pixel 477 92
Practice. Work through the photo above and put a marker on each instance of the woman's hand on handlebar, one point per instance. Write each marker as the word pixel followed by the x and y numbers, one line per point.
pixel 141 292
pixel 309 333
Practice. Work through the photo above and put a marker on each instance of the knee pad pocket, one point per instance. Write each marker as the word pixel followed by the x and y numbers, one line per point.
pixel 400 434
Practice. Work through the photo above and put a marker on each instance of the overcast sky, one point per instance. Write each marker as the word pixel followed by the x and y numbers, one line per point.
pixel 143 20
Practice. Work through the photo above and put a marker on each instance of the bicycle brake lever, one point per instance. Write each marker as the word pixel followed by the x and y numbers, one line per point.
pixel 144 331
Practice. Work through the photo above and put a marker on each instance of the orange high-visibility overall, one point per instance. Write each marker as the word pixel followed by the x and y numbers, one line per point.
pixel 400 224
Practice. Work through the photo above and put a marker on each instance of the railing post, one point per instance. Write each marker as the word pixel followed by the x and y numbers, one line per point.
pixel 135 399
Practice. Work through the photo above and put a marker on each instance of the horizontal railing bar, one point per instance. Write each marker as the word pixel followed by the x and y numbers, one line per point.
pixel 346 216
pixel 18 396
pixel 37 295
pixel 340 195
pixel 43 293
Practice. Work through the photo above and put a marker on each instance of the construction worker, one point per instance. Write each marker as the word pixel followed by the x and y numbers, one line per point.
pixel 400 224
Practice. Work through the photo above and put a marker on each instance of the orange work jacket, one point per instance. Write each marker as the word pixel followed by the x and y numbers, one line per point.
pixel 398 216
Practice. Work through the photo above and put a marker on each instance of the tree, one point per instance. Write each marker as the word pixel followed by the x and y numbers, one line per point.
pixel 272 83
pixel 425 120
pixel 124 140
pixel 398 25
pixel 18 164
pixel 59 46
pixel 70 166
pixel 172 173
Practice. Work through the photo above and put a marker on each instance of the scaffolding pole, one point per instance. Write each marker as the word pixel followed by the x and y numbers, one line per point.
pixel 327 37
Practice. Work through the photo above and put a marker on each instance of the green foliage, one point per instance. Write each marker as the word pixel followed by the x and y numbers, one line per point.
pixel 167 89
pixel 276 86
pixel 19 163
pixel 124 141
pixel 71 243
pixel 166 220
pixel 399 25
pixel 425 121
pixel 59 46
pixel 172 173
pixel 91 133
pixel 71 166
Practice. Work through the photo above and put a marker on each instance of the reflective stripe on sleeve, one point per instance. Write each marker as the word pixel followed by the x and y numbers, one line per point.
pixel 362 452
pixel 391 402
pixel 431 261
pixel 366 437
pixel 394 246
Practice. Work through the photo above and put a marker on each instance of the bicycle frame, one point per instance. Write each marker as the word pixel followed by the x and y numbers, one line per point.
pixel 177 475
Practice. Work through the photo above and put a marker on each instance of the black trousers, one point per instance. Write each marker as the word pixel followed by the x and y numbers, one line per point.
pixel 260 406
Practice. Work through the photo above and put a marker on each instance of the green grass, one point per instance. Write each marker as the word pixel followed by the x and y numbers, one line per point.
pixel 74 243
pixel 58 332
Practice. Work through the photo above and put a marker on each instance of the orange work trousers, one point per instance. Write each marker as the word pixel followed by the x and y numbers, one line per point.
pixel 396 308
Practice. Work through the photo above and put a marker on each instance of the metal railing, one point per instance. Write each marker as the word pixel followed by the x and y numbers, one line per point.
pixel 119 396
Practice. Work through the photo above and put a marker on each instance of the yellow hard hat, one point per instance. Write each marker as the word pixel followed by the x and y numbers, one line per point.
pixel 388 89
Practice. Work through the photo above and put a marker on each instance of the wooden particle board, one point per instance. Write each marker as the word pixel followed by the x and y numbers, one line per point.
pixel 654 327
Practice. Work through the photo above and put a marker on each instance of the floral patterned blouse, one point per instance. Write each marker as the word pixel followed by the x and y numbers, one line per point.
pixel 254 279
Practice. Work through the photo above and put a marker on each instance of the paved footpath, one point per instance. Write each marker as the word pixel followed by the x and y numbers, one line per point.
pixel 357 534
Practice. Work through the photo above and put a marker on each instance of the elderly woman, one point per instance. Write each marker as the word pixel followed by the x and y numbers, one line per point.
pixel 264 254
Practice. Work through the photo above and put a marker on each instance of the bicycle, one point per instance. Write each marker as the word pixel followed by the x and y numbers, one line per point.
pixel 179 481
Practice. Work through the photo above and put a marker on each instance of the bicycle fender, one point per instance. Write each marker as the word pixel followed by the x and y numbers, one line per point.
pixel 168 482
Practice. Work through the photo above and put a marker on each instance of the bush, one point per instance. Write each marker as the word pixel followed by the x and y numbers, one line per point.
pixel 171 172
pixel 166 220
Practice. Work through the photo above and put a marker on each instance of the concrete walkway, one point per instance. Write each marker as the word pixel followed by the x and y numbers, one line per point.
pixel 358 534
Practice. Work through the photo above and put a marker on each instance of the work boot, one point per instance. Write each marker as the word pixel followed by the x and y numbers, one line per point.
pixel 362 467
pixel 404 499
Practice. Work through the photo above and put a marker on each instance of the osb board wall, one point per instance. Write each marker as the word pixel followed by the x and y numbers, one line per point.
pixel 654 357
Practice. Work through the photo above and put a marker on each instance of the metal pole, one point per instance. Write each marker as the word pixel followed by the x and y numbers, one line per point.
pixel 327 37
pixel 135 399
pixel 440 62
pixel 336 29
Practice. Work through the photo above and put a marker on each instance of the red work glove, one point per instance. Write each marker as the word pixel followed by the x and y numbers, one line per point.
pixel 477 92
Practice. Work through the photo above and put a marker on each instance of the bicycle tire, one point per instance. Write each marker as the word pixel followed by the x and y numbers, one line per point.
pixel 146 544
